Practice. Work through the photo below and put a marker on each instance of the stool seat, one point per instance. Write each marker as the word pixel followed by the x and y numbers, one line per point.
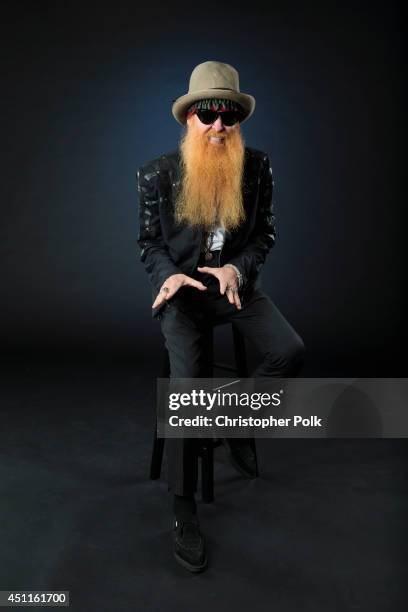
pixel 205 445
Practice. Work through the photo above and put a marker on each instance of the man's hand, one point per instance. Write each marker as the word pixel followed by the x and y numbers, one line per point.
pixel 228 282
pixel 173 284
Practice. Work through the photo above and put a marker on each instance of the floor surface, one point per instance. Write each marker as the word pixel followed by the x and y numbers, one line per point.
pixel 322 528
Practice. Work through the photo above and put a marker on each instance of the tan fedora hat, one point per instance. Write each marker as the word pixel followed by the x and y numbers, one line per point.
pixel 213 80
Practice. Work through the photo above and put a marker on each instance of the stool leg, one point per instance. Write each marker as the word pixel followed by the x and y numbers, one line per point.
pixel 157 456
pixel 253 447
pixel 207 471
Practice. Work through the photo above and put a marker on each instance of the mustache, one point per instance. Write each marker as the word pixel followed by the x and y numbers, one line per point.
pixel 225 137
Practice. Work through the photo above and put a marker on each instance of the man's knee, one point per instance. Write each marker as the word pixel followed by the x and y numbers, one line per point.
pixel 296 355
pixel 188 367
pixel 187 356
pixel 184 343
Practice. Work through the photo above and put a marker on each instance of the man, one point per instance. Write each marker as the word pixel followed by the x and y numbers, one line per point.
pixel 206 226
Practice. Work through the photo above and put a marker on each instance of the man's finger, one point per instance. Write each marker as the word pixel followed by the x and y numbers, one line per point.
pixel 237 300
pixel 233 298
pixel 230 295
pixel 159 300
pixel 223 286
pixel 208 270
pixel 194 283
pixel 162 297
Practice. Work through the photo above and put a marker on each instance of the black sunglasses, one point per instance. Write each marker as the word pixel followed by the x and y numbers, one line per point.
pixel 210 116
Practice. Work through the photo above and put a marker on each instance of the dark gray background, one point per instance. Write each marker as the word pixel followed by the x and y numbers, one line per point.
pixel 86 99
pixel 86 95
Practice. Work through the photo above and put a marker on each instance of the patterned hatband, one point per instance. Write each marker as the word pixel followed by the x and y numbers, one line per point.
pixel 220 104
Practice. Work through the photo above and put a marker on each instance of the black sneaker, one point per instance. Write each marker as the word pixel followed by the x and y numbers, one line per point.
pixel 189 547
pixel 241 456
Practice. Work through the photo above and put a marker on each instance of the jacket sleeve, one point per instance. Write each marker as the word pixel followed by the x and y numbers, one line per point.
pixel 252 257
pixel 154 253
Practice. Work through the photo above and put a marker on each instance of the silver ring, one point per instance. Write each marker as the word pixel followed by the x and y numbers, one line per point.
pixel 165 289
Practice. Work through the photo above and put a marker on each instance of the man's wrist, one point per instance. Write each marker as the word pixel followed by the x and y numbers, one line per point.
pixel 238 273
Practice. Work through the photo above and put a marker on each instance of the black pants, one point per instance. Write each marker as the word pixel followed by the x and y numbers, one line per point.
pixel 186 317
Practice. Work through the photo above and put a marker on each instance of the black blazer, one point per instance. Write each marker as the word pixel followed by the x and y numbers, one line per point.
pixel 168 249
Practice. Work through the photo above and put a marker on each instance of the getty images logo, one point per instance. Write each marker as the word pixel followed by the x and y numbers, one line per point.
pixel 208 401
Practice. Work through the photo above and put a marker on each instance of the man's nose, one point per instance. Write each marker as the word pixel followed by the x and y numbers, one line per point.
pixel 218 125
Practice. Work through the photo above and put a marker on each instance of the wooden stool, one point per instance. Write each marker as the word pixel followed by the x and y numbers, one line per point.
pixel 207 445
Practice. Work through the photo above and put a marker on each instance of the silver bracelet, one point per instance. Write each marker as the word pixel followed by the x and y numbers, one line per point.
pixel 239 275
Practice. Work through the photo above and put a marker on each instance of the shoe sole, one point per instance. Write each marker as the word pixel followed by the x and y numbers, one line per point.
pixel 189 566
